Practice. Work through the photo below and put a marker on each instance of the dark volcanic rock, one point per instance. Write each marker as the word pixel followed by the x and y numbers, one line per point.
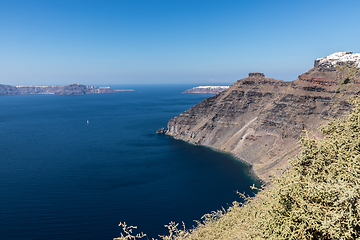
pixel 161 131
pixel 256 74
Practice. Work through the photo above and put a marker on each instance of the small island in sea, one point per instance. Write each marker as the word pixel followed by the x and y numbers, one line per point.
pixel 71 89
pixel 206 89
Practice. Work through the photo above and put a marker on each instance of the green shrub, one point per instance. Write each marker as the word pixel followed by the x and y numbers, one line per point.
pixel 319 197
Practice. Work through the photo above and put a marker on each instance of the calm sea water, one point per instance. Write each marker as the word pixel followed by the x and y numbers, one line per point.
pixel 64 178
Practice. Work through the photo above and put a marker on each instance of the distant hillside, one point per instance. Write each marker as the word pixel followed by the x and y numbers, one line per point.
pixel 206 89
pixel 72 89
pixel 260 120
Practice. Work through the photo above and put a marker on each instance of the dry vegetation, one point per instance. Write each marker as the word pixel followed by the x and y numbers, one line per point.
pixel 317 198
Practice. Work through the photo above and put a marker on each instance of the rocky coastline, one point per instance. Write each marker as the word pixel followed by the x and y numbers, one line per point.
pixel 260 120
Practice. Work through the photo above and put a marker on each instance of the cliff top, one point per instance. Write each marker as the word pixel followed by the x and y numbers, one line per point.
pixel 340 57
pixel 256 74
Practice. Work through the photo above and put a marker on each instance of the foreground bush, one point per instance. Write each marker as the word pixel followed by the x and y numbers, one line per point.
pixel 317 198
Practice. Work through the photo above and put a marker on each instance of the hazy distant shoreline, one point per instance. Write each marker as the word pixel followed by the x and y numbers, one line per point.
pixel 71 89
pixel 206 89
pixel 124 90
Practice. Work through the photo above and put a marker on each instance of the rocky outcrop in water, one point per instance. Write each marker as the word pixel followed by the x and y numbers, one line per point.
pixel 161 131
pixel 72 89
pixel 260 120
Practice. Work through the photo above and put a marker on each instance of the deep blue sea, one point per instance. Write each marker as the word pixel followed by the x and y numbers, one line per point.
pixel 62 177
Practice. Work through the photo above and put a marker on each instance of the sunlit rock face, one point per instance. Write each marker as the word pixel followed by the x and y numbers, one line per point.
pixel 260 120
pixel 333 69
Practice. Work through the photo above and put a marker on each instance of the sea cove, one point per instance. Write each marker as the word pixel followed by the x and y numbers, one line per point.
pixel 73 167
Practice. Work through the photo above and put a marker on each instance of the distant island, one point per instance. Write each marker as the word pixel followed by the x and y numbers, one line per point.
pixel 71 89
pixel 206 89
pixel 124 90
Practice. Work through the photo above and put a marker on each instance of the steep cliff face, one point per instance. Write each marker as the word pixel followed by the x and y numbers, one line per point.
pixel 260 119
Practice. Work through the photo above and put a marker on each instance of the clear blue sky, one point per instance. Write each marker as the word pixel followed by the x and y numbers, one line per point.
pixel 169 41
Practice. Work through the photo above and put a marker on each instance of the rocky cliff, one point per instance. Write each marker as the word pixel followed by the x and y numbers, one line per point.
pixel 72 89
pixel 260 120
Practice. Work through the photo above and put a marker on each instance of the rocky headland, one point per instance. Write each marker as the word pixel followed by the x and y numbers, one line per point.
pixel 206 89
pixel 260 120
pixel 72 89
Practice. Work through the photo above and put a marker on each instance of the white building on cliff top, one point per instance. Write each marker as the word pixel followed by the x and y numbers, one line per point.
pixel 337 57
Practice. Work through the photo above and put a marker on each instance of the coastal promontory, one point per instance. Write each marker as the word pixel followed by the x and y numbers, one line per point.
pixel 260 120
